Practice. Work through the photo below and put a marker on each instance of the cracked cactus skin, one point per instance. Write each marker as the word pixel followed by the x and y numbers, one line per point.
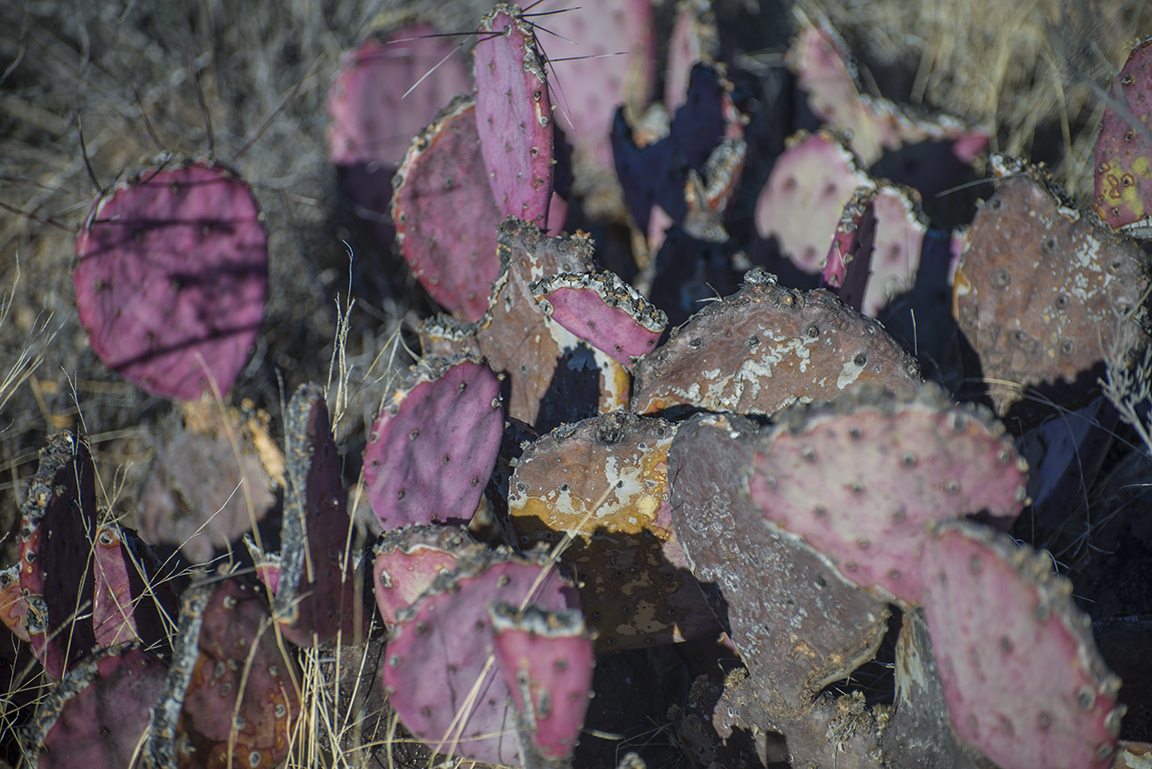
pixel 1020 673
pixel 1124 148
pixel 170 323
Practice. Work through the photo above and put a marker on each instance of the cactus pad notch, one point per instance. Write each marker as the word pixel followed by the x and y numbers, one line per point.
pixel 432 448
pixel 171 279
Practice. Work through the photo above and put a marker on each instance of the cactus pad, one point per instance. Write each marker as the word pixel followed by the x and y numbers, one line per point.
pixel 13 607
pixel 134 599
pixel 231 694
pixel 1036 294
pixel 445 213
pixel 547 661
pixel 1022 679
pixel 604 481
pixel 848 264
pixel 797 624
pixel 433 446
pixel 1124 148
pixel 408 560
pixel 858 480
pixel 98 715
pixel 437 672
pixel 604 311
pixel 514 115
pixel 766 347
pixel 171 279
pixel 317 597
pixel 57 532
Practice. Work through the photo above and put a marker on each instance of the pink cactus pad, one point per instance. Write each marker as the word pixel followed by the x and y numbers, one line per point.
pixel 445 212
pixel 858 480
pixel 439 672
pixel 267 565
pixel 317 596
pixel 848 264
pixel 604 311
pixel 134 600
pixel 98 715
pixel 900 232
pixel 226 650
pixel 514 115
pixel 57 531
pixel 1124 148
pixel 546 658
pixel 171 279
pixel 1022 678
pixel 408 560
pixel 433 446
pixel 374 115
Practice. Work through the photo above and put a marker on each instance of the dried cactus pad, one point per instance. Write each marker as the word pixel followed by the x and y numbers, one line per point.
pixel 546 658
pixel 225 651
pixel 171 279
pixel 604 481
pixel 1124 148
pixel 317 596
pixel 408 560
pixel 134 599
pixel 1037 294
pixel 1022 678
pixel 766 347
pixel 514 115
pixel 445 212
pixel 97 716
pixel 57 531
pixel 604 311
pixel 858 479
pixel 437 673
pixel 433 446
pixel 797 624
pixel 847 266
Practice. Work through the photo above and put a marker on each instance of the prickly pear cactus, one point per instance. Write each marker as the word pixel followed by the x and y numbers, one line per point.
pixel 1021 675
pixel 766 347
pixel 546 658
pixel 171 278
pixel 1038 293
pixel 514 115
pixel 433 446
pixel 858 480
pixel 1124 148
pixel 231 695
pixel 604 481
pixel 440 674
pixel 408 560
pixel 133 595
pixel 317 596
pixel 445 212
pixel 13 607
pixel 797 624
pixel 57 532
pixel 604 311
pixel 97 716
pixel 847 266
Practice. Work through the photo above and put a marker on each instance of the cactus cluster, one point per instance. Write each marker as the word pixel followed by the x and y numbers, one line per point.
pixel 565 481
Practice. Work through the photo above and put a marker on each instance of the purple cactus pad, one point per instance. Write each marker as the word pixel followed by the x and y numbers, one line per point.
pixel 1124 148
pixel 408 560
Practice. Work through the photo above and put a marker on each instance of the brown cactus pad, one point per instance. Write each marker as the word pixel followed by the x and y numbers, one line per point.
pixel 1037 294
pixel 767 347
pixel 797 624
pixel 604 481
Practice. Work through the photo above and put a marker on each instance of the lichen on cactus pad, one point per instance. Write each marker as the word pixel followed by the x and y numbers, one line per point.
pixel 440 674
pixel 766 347
pixel 171 278
pixel 514 115
pixel 97 716
pixel 232 694
pixel 1041 293
pixel 434 444
pixel 445 213
pixel 857 480
pixel 546 658
pixel 797 624
pixel 604 481
pixel 57 532
pixel 1124 148
pixel 1021 675
pixel 317 596
pixel 408 560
